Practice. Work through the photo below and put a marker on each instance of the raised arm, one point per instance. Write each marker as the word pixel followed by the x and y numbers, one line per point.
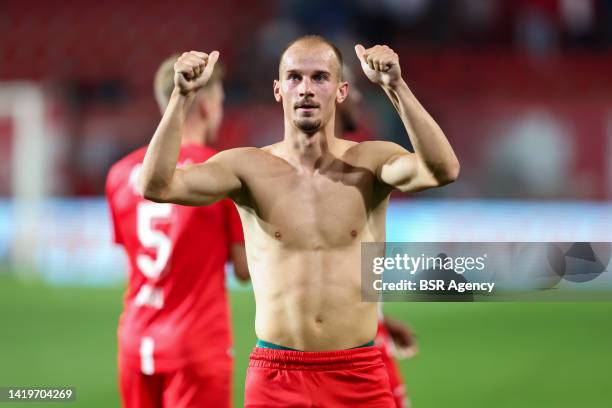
pixel 434 162
pixel 198 184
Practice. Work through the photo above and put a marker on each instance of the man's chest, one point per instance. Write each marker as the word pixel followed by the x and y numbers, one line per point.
pixel 320 208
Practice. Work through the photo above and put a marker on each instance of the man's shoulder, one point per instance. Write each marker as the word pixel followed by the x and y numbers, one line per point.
pixel 375 146
pixel 241 155
pixel 130 158
pixel 271 148
pixel 372 151
pixel 122 167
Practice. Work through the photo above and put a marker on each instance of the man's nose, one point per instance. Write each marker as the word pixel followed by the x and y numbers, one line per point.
pixel 305 88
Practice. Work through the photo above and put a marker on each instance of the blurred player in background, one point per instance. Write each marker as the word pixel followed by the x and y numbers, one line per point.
pixel 307 203
pixel 394 338
pixel 174 333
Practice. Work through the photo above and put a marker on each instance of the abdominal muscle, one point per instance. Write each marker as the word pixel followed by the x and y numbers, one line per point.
pixel 310 299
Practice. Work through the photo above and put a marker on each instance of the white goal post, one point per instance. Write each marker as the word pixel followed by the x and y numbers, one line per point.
pixel 23 103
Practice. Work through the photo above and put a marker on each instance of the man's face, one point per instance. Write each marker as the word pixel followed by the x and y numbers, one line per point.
pixel 213 100
pixel 309 85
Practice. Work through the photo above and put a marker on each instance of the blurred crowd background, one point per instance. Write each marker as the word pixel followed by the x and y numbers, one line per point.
pixel 522 88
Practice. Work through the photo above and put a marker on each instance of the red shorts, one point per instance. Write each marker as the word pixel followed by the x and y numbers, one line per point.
pixel 345 378
pixel 194 385
pixel 398 389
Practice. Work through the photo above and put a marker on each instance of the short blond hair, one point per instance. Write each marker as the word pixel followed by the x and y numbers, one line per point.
pixel 316 39
pixel 163 83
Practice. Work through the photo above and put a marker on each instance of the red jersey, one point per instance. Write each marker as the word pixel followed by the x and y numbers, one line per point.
pixel 175 307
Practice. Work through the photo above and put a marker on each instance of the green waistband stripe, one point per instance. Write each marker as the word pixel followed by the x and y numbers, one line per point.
pixel 274 346
pixel 368 344
pixel 268 345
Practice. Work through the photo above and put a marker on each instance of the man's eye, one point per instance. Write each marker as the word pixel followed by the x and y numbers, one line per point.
pixel 319 77
pixel 293 77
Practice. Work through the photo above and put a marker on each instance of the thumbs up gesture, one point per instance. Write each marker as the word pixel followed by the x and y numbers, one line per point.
pixel 380 64
pixel 193 69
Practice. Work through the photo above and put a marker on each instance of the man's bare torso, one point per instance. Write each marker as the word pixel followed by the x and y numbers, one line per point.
pixel 304 228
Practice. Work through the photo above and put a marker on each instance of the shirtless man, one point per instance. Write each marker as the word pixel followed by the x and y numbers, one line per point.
pixel 306 204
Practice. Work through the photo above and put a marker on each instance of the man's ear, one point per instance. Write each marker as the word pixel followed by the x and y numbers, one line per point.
pixel 277 94
pixel 342 92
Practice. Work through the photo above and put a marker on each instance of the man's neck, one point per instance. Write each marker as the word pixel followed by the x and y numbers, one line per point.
pixel 194 133
pixel 308 151
pixel 338 127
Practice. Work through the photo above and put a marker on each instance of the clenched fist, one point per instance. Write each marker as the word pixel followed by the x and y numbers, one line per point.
pixel 380 64
pixel 193 70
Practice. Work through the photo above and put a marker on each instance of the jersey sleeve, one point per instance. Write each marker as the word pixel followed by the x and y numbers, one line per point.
pixel 233 223
pixel 117 237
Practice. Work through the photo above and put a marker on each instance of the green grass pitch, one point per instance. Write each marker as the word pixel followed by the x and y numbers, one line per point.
pixel 471 355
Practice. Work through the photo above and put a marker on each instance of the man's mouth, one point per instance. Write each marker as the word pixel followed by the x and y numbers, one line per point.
pixel 306 105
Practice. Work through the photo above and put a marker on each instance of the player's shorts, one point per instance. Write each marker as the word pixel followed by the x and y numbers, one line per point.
pixel 398 389
pixel 346 378
pixel 194 385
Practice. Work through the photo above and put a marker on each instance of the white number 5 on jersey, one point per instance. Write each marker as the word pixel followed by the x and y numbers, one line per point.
pixel 151 238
